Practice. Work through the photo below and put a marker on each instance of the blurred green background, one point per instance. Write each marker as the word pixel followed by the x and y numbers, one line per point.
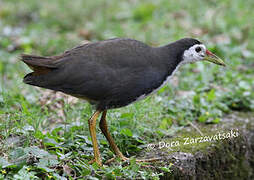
pixel 55 126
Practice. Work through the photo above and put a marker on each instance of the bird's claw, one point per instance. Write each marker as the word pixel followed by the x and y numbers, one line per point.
pixel 137 160
pixel 123 158
pixel 93 161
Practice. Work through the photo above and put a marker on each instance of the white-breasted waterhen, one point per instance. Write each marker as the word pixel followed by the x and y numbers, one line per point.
pixel 113 73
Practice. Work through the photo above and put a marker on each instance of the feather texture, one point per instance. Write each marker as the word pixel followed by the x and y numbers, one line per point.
pixel 111 73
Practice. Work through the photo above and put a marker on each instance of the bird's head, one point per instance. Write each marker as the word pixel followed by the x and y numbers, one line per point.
pixel 195 51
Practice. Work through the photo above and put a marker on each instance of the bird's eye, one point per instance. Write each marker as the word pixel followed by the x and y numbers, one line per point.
pixel 198 49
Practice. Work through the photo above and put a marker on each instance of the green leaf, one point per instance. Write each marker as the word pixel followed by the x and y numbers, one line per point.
pixel 4 163
pixel 24 174
pixel 45 168
pixel 48 162
pixel 57 176
pixel 211 95
pixel 45 163
pixel 216 120
pixel 38 134
pixel 127 115
pixel 244 85
pixel 126 132
pixel 161 90
pixel 37 152
pixel 50 142
pixel 165 123
pixel 165 169
pixel 17 153
pixel 196 99
pixel 202 118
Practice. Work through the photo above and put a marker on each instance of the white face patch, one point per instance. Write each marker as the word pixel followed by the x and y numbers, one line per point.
pixel 195 53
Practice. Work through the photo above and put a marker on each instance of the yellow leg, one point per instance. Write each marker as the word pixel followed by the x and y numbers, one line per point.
pixel 92 129
pixel 104 129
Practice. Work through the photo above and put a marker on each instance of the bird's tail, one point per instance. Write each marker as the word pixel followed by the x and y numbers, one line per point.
pixel 40 66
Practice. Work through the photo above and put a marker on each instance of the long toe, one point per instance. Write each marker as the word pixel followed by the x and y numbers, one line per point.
pixel 93 161
pixel 123 158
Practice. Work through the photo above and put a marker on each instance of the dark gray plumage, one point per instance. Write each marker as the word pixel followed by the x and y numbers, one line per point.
pixel 111 73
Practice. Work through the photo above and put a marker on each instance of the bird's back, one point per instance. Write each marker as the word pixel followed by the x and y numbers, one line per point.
pixel 110 73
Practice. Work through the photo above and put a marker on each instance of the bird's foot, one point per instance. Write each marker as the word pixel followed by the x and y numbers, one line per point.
pixel 123 158
pixel 93 161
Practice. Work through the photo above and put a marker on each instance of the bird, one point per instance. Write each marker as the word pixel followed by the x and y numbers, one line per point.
pixel 112 74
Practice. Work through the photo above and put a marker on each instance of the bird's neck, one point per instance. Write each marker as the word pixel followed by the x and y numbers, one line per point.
pixel 170 56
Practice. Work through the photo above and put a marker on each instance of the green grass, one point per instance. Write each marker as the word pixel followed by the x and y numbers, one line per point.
pixel 44 142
